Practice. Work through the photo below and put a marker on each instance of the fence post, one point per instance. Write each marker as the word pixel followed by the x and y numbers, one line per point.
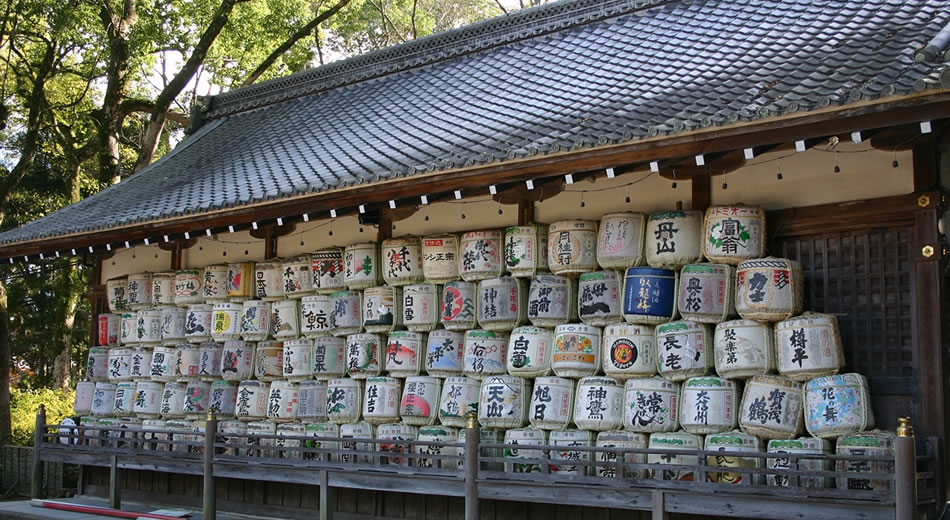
pixel 905 471
pixel 209 505
pixel 36 487
pixel 472 438
pixel 115 486
pixel 327 496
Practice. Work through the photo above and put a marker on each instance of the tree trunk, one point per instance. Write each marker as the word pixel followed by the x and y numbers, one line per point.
pixel 5 358
pixel 118 27
pixel 72 292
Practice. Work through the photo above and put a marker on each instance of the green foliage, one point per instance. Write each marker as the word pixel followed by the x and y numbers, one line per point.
pixel 23 407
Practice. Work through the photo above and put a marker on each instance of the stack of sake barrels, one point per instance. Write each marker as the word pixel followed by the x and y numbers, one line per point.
pixel 575 334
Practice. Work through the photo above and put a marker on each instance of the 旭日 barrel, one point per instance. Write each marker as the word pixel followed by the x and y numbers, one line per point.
pixel 552 403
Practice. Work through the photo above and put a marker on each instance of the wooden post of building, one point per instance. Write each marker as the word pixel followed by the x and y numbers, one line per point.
pixel 472 438
pixel 327 496
pixel 209 506
pixel 659 506
pixel 115 486
pixel 525 211
pixel 36 488
pixel 905 472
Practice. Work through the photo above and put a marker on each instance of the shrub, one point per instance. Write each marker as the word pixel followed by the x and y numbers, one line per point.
pixel 23 406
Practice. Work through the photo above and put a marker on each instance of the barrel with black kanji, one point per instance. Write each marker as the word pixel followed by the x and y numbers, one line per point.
pixel 809 346
pixel 649 295
pixel 744 348
pixel 769 289
pixel 503 402
pixel 772 408
pixel 838 405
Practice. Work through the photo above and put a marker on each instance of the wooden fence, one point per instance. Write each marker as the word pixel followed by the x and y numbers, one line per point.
pixel 16 476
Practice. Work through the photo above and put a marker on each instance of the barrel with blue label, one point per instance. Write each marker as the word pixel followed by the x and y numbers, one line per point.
pixel 649 295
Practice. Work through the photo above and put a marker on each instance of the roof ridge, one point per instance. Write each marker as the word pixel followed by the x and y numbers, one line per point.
pixel 522 24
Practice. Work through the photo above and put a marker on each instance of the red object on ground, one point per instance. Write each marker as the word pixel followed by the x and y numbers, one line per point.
pixel 96 510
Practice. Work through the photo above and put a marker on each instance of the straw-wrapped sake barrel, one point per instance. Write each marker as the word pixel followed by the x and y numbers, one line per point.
pixel 419 405
pixel 90 437
pixel 598 404
pixel 568 439
pixel 261 446
pixel 744 348
pixel 229 430
pixel 108 329
pixel 576 350
pixel 148 327
pixel 268 281
pixel 734 233
pixel 381 309
pixel 420 307
pixel 529 352
pixel 315 315
pixel 682 348
pixel 198 323
pixel 97 364
pixel 705 292
pixel 329 357
pixel 708 405
pixel 401 260
pixel 346 316
pixel 322 429
pixel 445 353
pixel 164 364
pixel 651 405
pixel 394 433
pixel 552 403
pixel 599 301
pixel 209 360
pixel 285 319
pixel 516 438
pixel 439 436
pixel 799 446
pixel 771 408
pixel 173 400
pixel 117 290
pixel 674 238
pixel 357 430
pixel 485 353
pixel 486 436
pixel 502 402
pixel 241 284
pixel 459 397
pixel 252 397
pixel 551 301
pixel 173 325
pixel 875 443
pixel 361 266
pixel 649 295
pixel 163 289
pixel 82 402
pixel 282 401
pixel 189 361
pixel 127 328
pixel 188 287
pixel 214 286
pixel 809 346
pixel 119 364
pixel 680 441
pixel 733 441
pixel 237 360
pixel 312 406
pixel 298 359
pixel 629 351
pixel 620 240
pixel 440 258
pixel 404 352
pixel 837 405
pixel 344 400
pixel 124 399
pixel 148 399
pixel 269 360
pixel 255 320
pixel 480 255
pixel 223 398
pixel 457 306
pixel 197 397
pixel 501 303
pixel 572 247
pixel 290 435
pixel 526 249
pixel 327 266
pixel 226 321
pixel 298 276
pixel 769 289
pixel 362 355
pixel 140 363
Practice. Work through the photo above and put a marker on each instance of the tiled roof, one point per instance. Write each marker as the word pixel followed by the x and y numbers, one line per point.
pixel 573 74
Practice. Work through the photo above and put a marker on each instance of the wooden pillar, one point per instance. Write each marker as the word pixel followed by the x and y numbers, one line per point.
pixel 385 230
pixel 472 439
pixel 115 483
pixel 659 506
pixel 270 243
pixel 209 506
pixel 905 472
pixel 702 191
pixel 525 211
pixel 327 496
pixel 36 488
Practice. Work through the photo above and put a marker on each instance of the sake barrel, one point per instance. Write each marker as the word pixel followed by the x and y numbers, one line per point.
pixel 90 436
pixel 140 363
pixel 345 313
pixel 119 361
pixel 734 233
pixel 147 403
pixel 445 353
pixel 480 255
pixel 744 348
pixel 261 447
pixel 327 270
pixel 329 357
pixel 799 446
pixel 164 364
pixel 402 261
pixel 572 247
pixel 837 405
pixel 734 441
pixel 108 329
pixel 251 403
pixel 237 360
pixel 514 440
pixel 651 405
pixel 598 404
pixel 419 405
pixel 241 283
pixel 674 238
pixel 438 436
pixel 501 303
pixel 395 432
pixel 769 289
pixel 629 351
pixel 502 402
pixel 124 399
pixel 223 398
pixel 678 441
pixel 282 401
pixel 117 289
pixel 459 397
pixel 420 307
pixel 552 403
pixel 97 364
pixel 298 359
pixel 771 408
pixel 188 287
pixel 551 301
pixel 209 360
pixel 226 321
pixel 315 315
pixel 708 405
pixel 290 436
pixel 153 431
pixel 485 353
pixel 198 323
pixel 404 350
pixel 361 266
pixel 255 320
pixel 440 258
pixel 312 406
pixel 268 281
pixel 598 298
pixel 269 360
pixel 173 400
pixel 148 327
pixel 705 292
pixel 323 429
pixel 457 307
pixel 875 443
pixel 127 328
pixel 344 400
pixel 620 240
pixel 381 312
pixel 621 440
pixel 110 431
pixel 229 429
pixel 529 352
pixel 576 350
pixel 649 295
pixel 298 277
pixel 486 436
pixel 197 396
pixel 526 250
pixel 214 286
pixel 682 350
pixel 565 440
pixel 285 319
pixel 163 289
pixel 82 402
pixel 173 325
pixel 189 361
pixel 381 400
pixel 809 346
pixel 362 355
